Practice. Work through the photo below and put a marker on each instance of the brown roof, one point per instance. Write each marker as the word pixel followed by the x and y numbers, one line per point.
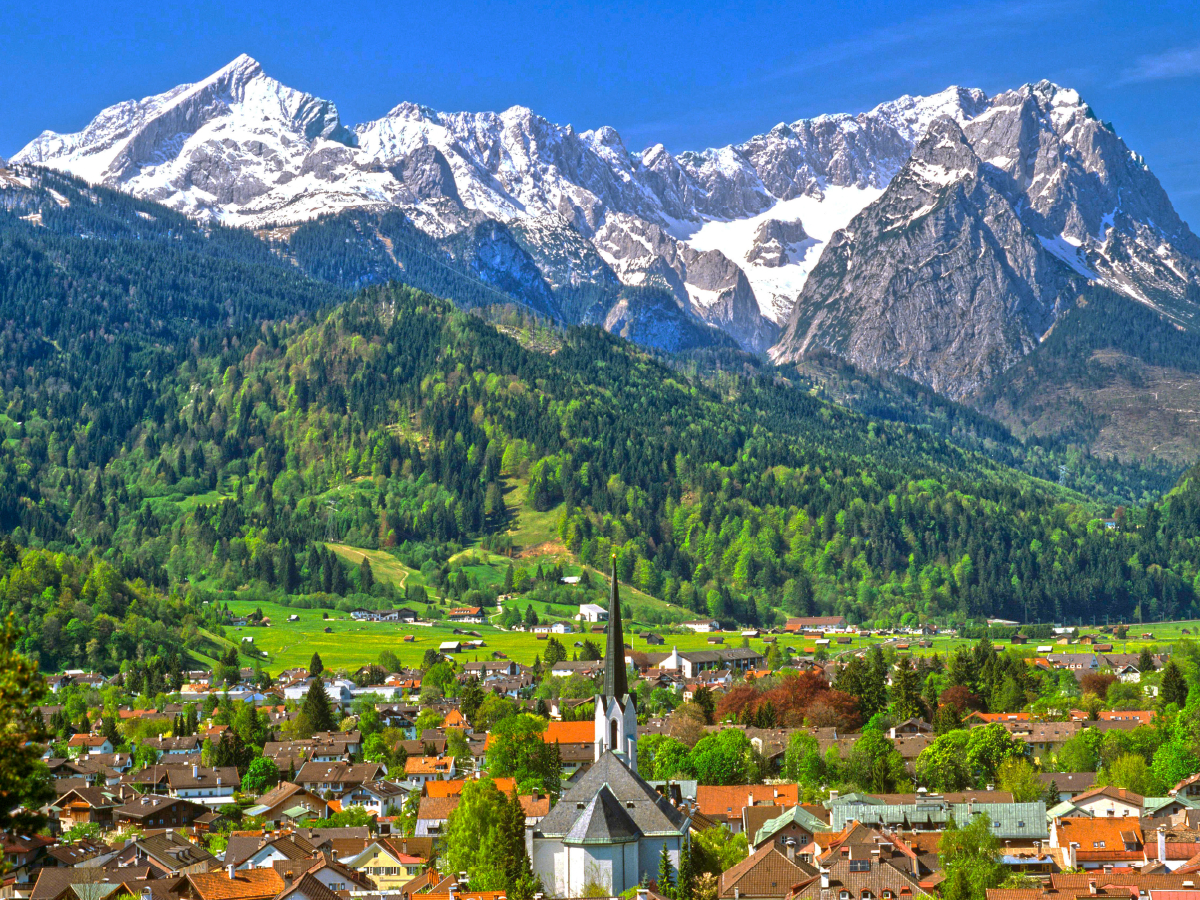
pixel 437 808
pixel 1116 793
pixel 282 791
pixel 764 873
pixel 532 807
pixel 421 846
pixel 310 888
pixel 246 884
pixel 292 869
pixel 857 875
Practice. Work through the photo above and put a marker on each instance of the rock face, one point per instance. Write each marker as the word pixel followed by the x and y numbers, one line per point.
pixel 939 279
pixel 772 240
pixel 754 239
pixel 983 241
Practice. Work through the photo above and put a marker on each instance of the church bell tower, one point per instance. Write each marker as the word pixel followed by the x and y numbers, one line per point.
pixel 616 715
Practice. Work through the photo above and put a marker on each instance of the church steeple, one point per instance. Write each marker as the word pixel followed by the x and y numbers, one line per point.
pixel 616 714
pixel 616 682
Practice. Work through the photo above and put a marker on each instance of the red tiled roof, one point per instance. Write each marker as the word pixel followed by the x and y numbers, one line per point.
pixel 725 802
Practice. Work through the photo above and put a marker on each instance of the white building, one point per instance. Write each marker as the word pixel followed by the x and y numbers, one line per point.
pixel 592 612
pixel 703 627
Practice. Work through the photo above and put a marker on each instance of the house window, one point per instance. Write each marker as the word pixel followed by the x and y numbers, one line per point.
pixel 1097 845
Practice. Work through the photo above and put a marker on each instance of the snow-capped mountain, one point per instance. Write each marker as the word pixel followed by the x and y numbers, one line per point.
pixel 744 238
pixel 984 239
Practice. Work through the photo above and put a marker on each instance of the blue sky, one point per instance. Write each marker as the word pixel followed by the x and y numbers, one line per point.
pixel 687 75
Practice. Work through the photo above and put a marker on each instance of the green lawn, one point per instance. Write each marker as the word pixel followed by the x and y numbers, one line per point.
pixel 384 566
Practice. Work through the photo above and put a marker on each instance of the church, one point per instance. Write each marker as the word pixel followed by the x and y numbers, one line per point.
pixel 609 828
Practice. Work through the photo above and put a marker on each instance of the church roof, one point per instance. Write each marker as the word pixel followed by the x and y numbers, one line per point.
pixel 648 810
pixel 602 821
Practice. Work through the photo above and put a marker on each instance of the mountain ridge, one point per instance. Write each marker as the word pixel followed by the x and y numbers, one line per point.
pixel 744 239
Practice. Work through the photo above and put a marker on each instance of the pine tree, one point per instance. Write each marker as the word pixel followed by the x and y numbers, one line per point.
pixel 1051 797
pixel 108 728
pixel 315 666
pixel 366 578
pixel 514 859
pixel 470 698
pixel 1174 688
pixel 666 875
pixel 315 713
pixel 906 691
pixel 684 890
pixel 1145 661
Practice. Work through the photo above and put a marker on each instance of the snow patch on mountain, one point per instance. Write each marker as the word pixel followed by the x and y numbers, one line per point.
pixel 776 288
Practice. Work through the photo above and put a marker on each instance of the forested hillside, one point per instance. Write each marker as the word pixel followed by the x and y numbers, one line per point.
pixel 398 420
pixel 186 405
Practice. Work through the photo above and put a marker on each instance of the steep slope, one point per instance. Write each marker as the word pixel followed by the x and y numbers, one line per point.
pixel 938 280
pixel 963 265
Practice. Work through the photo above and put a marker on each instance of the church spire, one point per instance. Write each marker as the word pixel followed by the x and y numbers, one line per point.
pixel 616 682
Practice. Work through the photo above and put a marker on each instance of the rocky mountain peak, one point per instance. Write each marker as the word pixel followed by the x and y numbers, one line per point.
pixel 733 234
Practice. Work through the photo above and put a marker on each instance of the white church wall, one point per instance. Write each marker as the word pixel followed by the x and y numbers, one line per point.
pixel 649 851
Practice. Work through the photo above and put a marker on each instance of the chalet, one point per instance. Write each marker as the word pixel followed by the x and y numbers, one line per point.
pixel 209 786
pixel 703 626
pixel 88 745
pixel 1109 801
pixel 690 663
pixel 433 813
pixel 816 623
pixel 86 805
pixel 164 854
pixel 420 769
pixel 472 614
pixel 151 811
pixel 450 647
pixel 766 874
pixel 376 796
pixel 390 863
pixel 337 777
pixel 285 800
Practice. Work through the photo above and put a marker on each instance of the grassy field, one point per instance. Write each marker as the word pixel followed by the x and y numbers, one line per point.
pixel 350 644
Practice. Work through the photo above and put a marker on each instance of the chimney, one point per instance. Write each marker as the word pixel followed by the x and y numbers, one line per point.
pixel 790 843
pixel 1092 889
pixel 737 894
pixel 230 869
pixel 833 795
pixel 750 798
pixel 970 805
pixel 824 878
pixel 195 771
pixel 991 787
pixel 287 878
pixel 1162 844
pixel 643 893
